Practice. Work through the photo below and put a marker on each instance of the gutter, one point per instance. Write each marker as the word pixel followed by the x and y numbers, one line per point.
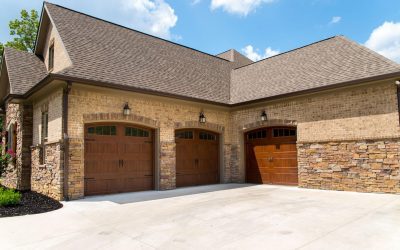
pixel 66 92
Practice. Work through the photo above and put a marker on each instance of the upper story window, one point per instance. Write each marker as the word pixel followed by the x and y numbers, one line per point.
pixel 51 57
pixel 45 125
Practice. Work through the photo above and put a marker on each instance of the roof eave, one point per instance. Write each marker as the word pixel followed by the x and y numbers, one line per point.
pixel 323 88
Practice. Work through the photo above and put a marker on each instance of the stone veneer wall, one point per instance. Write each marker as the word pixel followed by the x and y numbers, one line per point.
pixel 18 172
pixel 363 166
pixel 47 178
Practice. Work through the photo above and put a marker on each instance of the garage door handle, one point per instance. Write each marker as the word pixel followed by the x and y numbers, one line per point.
pixel 88 178
pixel 148 175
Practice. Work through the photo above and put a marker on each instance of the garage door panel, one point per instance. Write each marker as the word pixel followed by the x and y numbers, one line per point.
pixel 116 162
pixel 197 158
pixel 270 158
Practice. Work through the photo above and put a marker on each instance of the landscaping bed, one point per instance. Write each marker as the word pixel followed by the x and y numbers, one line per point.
pixel 23 203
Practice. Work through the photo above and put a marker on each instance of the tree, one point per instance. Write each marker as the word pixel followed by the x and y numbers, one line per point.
pixel 24 32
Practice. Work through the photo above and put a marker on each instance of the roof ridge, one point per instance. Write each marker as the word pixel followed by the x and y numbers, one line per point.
pixel 286 52
pixel 365 48
pixel 134 30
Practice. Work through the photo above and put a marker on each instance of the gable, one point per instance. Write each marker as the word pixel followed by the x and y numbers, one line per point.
pixel 47 36
pixel 4 81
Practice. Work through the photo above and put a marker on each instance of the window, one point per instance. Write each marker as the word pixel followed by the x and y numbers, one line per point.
pixel 45 126
pixel 102 130
pixel 12 137
pixel 281 132
pixel 207 136
pixel 137 132
pixel 184 134
pixel 257 134
pixel 51 57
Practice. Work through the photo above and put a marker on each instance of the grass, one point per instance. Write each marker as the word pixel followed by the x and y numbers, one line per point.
pixel 9 197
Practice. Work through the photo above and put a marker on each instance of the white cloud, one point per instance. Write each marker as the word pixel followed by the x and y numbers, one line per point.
pixel 336 19
pixel 240 7
pixel 386 40
pixel 152 16
pixel 253 54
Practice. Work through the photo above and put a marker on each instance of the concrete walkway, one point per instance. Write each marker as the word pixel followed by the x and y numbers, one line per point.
pixel 229 216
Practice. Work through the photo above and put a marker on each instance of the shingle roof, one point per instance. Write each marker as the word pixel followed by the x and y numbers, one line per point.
pixel 105 52
pixel 24 69
pixel 327 62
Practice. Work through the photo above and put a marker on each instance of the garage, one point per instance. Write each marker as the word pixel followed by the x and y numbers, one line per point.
pixel 271 156
pixel 118 158
pixel 197 157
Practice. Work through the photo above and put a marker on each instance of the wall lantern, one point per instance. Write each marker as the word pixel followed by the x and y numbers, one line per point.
pixel 264 116
pixel 127 109
pixel 202 118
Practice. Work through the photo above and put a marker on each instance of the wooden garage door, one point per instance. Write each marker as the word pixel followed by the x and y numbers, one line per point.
pixel 118 158
pixel 271 156
pixel 197 158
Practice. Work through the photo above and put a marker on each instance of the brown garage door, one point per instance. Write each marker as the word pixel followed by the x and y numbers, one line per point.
pixel 271 156
pixel 118 158
pixel 197 158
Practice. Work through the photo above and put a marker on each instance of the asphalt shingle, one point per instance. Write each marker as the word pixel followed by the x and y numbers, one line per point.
pixel 24 69
pixel 104 52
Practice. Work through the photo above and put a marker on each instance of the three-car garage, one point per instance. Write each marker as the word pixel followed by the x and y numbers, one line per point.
pixel 120 157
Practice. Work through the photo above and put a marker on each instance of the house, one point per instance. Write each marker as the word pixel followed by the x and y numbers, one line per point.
pixel 99 108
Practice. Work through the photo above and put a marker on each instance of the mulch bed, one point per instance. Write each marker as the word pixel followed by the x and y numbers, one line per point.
pixel 31 203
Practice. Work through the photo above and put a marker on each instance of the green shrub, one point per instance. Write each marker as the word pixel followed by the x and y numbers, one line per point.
pixel 9 197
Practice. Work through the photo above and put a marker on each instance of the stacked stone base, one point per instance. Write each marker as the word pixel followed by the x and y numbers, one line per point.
pixel 47 176
pixel 362 166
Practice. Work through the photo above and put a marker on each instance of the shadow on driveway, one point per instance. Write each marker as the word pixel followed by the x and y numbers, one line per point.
pixel 124 198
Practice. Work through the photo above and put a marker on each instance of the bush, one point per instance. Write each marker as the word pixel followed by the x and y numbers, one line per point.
pixel 9 197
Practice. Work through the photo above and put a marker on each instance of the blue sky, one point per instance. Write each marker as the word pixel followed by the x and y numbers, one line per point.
pixel 257 28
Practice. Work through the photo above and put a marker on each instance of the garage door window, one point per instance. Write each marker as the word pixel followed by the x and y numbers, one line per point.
pixel 207 136
pixel 184 134
pixel 102 130
pixel 137 132
pixel 257 134
pixel 281 132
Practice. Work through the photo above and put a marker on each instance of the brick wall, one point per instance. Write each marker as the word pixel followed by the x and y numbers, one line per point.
pixel 349 114
pixel 160 113
pixel 61 58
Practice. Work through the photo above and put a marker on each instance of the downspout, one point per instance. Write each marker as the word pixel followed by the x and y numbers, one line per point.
pixel 66 91
pixel 398 98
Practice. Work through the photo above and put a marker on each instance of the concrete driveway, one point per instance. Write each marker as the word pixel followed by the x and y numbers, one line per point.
pixel 229 216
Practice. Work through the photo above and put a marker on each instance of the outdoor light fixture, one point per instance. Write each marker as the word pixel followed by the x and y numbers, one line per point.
pixel 398 82
pixel 264 116
pixel 127 109
pixel 202 118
